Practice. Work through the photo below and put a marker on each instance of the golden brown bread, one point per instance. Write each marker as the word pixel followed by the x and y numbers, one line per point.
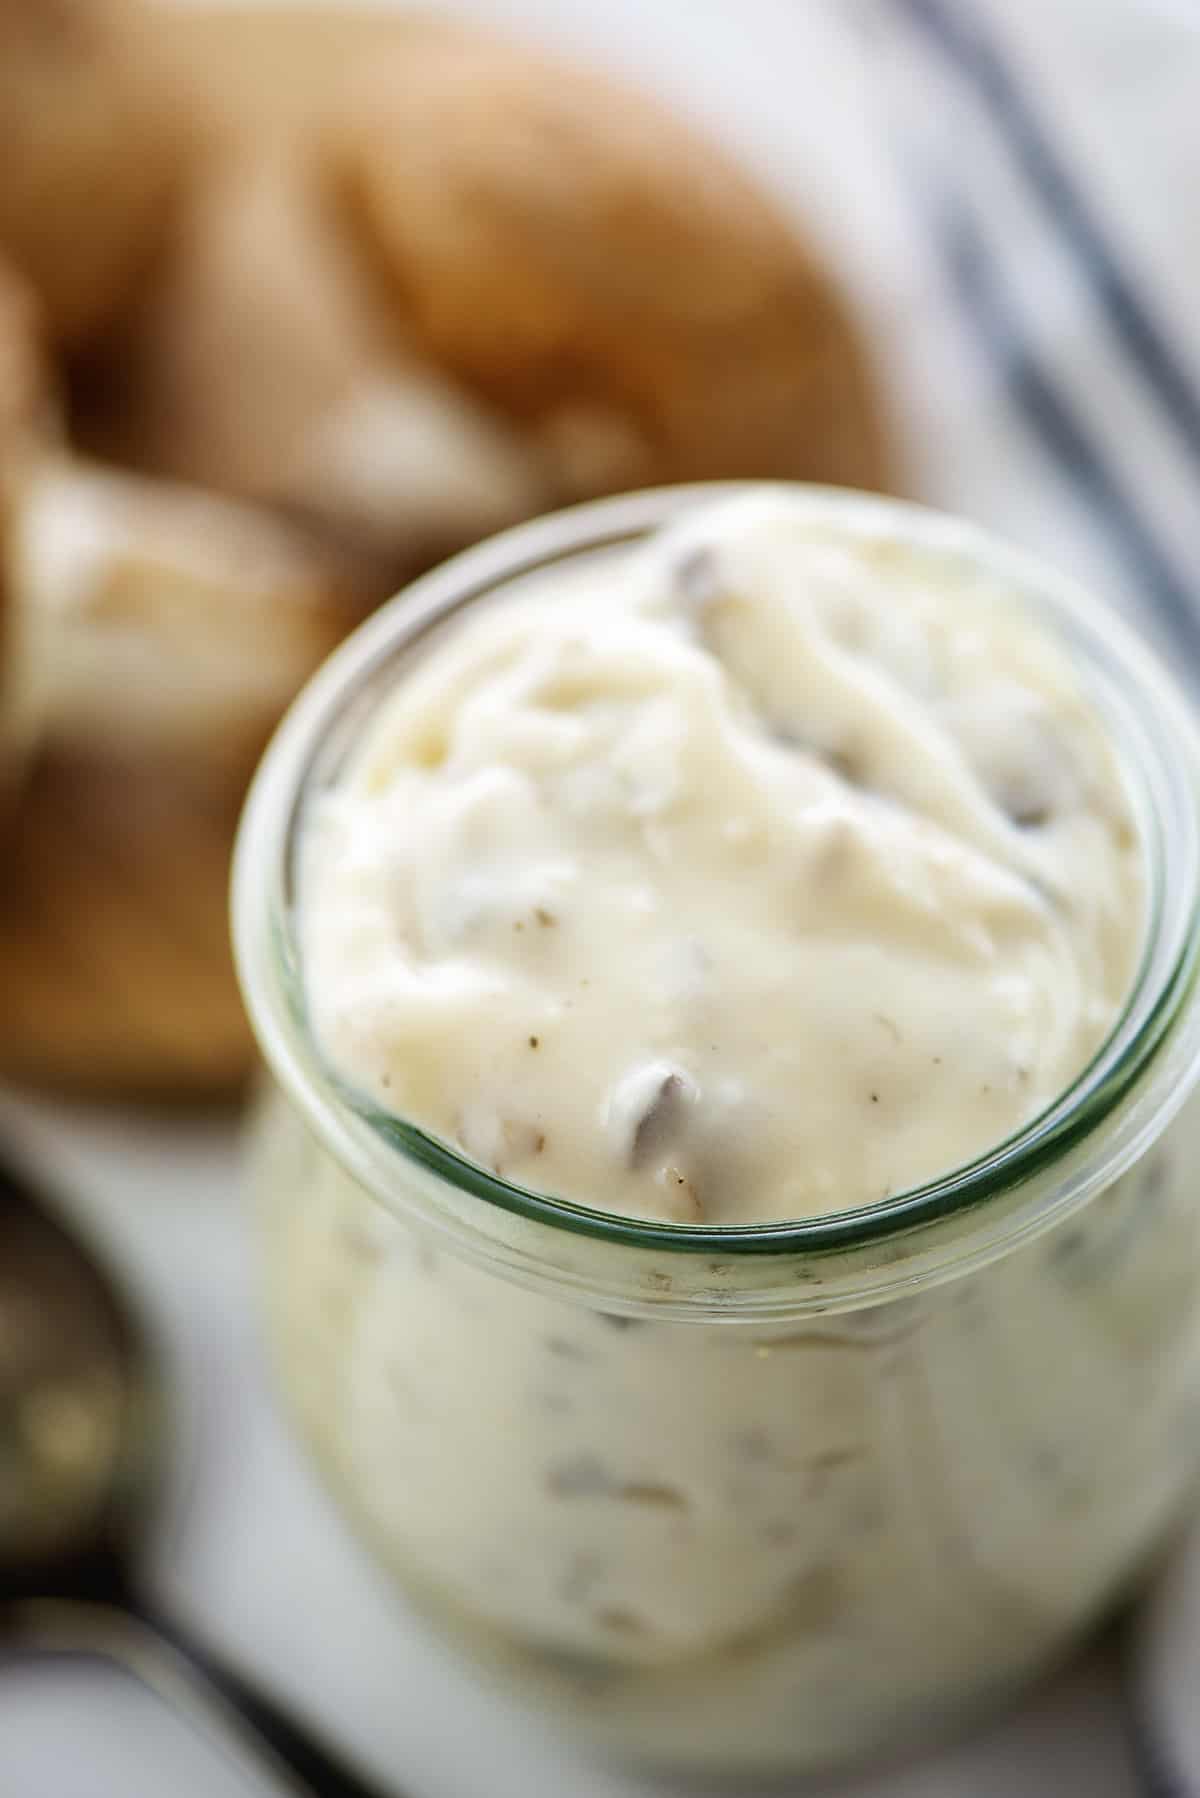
pixel 27 406
pixel 426 282
pixel 571 251
pixel 149 637
pixel 135 609
pixel 162 618
pixel 168 648
pixel 265 71
pixel 21 397
pixel 92 141
pixel 394 279
pixel 28 433
pixel 114 965
pixel 259 365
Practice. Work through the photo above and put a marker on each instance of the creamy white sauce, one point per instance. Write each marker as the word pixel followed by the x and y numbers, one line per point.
pixel 724 1545
pixel 761 872
pixel 750 874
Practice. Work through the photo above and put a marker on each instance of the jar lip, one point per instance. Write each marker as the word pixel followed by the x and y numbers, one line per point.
pixel 1144 706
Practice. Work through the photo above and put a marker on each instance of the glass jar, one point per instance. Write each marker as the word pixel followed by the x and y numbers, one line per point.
pixel 769 1497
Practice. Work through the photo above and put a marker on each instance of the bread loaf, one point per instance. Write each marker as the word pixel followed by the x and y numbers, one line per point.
pixel 92 143
pixel 335 293
pixel 425 282
pixel 150 635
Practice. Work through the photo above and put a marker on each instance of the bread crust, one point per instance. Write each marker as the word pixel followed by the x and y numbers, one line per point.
pixel 92 145
pixel 595 296
pixel 399 283
pixel 588 262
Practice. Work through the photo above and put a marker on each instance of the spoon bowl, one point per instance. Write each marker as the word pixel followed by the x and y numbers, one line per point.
pixel 82 1443
pixel 80 1420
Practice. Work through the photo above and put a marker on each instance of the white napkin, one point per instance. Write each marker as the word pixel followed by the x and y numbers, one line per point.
pixel 1043 154
pixel 1047 157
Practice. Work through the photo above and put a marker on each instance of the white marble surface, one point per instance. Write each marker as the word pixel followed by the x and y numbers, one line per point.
pixel 248 1547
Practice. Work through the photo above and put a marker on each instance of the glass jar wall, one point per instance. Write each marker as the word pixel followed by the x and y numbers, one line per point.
pixel 765 1497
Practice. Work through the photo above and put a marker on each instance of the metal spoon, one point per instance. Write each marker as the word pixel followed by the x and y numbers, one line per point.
pixel 81 1441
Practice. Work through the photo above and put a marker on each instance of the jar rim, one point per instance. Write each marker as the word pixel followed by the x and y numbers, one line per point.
pixel 1154 730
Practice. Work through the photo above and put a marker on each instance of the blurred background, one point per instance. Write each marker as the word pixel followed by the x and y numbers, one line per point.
pixel 296 301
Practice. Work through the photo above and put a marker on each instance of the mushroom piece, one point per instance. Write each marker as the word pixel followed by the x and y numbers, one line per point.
pixel 650 1111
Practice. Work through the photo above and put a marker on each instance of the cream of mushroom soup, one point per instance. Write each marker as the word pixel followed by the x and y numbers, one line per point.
pixel 759 874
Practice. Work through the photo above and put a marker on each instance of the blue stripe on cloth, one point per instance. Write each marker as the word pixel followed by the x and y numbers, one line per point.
pixel 981 288
pixel 959 36
pixel 1158 1776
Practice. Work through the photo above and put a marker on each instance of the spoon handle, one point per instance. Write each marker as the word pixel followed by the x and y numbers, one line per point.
pixel 190 1677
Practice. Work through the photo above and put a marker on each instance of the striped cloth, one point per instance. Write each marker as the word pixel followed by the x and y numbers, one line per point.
pixel 1045 154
